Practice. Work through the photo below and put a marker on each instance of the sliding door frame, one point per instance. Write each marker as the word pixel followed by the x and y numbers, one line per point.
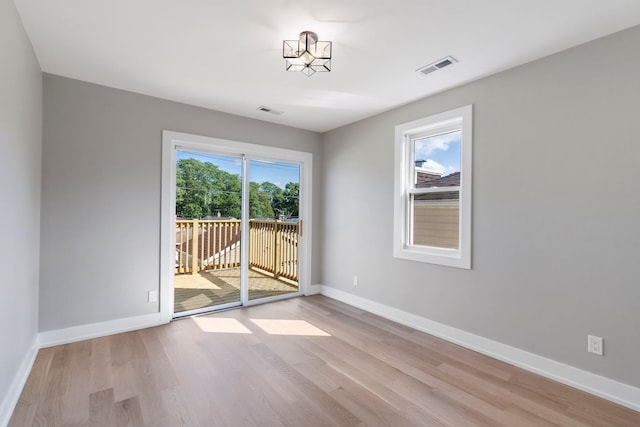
pixel 171 141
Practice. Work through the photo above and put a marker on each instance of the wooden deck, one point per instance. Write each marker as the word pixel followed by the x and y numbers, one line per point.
pixel 209 288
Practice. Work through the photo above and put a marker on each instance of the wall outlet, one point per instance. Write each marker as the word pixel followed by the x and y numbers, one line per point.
pixel 153 296
pixel 595 345
pixel 355 281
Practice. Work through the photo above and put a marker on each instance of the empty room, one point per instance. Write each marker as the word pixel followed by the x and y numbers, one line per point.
pixel 331 213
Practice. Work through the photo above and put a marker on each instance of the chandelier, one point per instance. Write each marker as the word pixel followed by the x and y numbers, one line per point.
pixel 307 54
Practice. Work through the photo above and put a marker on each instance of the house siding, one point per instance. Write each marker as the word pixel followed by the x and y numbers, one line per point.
pixel 437 224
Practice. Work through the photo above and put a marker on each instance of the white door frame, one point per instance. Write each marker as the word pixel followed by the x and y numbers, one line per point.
pixel 170 142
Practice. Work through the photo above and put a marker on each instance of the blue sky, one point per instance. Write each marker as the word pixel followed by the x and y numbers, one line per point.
pixel 442 151
pixel 277 173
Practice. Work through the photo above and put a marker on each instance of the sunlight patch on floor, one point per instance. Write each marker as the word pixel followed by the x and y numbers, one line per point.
pixel 289 327
pixel 221 325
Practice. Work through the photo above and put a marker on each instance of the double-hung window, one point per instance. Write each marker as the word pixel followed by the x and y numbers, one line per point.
pixel 432 212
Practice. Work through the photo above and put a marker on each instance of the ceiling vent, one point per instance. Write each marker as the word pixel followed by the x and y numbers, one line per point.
pixel 266 109
pixel 438 65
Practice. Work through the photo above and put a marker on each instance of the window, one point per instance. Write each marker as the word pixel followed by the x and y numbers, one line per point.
pixel 432 212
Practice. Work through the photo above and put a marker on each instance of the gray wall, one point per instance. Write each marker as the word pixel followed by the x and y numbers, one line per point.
pixel 556 203
pixel 101 194
pixel 20 153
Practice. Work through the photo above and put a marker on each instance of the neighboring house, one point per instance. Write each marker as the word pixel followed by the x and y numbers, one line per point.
pixel 435 215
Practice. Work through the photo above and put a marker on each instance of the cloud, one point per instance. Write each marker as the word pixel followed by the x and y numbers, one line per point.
pixel 425 147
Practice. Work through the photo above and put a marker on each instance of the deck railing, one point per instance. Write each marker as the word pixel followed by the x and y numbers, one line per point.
pixel 273 247
pixel 215 245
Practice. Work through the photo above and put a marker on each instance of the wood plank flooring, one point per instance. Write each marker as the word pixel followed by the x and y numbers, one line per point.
pixel 308 361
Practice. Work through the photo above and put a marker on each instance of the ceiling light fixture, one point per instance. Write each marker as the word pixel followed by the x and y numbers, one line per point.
pixel 307 54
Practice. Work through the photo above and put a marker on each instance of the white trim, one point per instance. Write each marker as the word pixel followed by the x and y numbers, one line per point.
pixel 273 298
pixel 10 400
pixel 460 118
pixel 597 385
pixel 244 235
pixel 314 290
pixel 430 190
pixel 170 141
pixel 99 329
pixel 167 237
pixel 206 310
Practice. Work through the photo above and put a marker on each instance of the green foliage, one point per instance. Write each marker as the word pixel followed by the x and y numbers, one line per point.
pixel 291 196
pixel 203 189
pixel 259 203
pixel 275 194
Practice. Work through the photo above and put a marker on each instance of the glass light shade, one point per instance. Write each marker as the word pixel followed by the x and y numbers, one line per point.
pixel 307 54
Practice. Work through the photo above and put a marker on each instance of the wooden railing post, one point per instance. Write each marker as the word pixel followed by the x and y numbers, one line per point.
pixel 277 247
pixel 180 267
pixel 194 247
pixel 252 239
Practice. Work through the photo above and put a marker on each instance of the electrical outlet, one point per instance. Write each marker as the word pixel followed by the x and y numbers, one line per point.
pixel 595 345
pixel 355 281
pixel 153 296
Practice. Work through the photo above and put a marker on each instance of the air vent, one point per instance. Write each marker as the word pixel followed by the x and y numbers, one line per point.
pixel 438 65
pixel 269 110
pixel 444 63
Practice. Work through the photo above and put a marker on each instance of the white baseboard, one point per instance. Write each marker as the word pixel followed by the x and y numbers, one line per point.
pixel 10 400
pixel 314 289
pixel 100 329
pixel 598 385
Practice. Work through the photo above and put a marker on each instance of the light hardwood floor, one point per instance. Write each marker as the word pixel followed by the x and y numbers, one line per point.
pixel 307 361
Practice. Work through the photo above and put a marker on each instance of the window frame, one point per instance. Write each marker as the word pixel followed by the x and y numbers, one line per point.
pixel 404 187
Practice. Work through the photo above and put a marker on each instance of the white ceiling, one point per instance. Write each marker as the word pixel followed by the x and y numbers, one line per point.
pixel 227 55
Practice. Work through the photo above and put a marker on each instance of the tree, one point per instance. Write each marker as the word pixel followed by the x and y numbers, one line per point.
pixel 202 189
pixel 291 196
pixel 276 196
pixel 259 202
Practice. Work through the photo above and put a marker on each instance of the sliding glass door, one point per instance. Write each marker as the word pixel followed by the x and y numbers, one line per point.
pixel 274 227
pixel 208 226
pixel 238 227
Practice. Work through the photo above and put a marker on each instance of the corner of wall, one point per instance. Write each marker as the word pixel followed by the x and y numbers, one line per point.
pixel 12 395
